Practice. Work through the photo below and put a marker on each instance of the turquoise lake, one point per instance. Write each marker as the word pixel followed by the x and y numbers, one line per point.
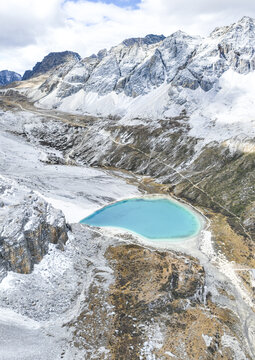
pixel 154 219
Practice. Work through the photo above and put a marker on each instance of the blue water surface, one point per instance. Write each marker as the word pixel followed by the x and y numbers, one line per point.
pixel 157 219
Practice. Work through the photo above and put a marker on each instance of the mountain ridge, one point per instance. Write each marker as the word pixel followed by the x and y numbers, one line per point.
pixel 174 70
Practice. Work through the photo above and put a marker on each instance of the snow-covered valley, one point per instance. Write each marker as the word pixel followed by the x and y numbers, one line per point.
pixel 61 287
pixel 77 190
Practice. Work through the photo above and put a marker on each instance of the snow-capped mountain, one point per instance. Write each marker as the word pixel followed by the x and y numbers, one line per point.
pixel 158 77
pixel 7 77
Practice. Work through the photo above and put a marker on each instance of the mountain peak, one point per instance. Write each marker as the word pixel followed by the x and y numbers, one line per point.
pixel 247 19
pixel 51 61
pixel 245 24
pixel 7 77
pixel 147 40
pixel 180 34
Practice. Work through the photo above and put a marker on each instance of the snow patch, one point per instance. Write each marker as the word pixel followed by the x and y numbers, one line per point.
pixel 207 339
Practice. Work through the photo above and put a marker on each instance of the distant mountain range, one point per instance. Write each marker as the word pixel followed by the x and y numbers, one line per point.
pixel 156 76
pixel 7 77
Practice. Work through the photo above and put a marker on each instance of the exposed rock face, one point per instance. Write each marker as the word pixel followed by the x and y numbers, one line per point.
pixel 7 77
pixel 28 226
pixel 51 61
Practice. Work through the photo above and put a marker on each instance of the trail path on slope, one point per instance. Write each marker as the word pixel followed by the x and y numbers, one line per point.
pixel 62 116
pixel 187 179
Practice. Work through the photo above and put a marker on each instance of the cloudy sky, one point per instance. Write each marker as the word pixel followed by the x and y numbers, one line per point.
pixel 30 29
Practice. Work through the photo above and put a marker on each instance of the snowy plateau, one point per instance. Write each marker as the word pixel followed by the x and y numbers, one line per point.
pixel 153 116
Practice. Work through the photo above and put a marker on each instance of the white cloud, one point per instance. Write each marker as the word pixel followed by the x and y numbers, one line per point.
pixel 32 28
pixel 22 21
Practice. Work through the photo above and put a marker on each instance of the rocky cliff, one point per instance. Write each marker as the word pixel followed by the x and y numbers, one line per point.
pixel 28 226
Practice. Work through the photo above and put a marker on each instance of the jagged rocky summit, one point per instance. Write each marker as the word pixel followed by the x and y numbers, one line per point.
pixel 7 77
pixel 51 61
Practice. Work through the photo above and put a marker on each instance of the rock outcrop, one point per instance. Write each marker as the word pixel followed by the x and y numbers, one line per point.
pixel 28 225
pixel 148 40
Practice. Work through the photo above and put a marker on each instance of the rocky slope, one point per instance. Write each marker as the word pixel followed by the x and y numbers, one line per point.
pixel 28 226
pixel 7 77
pixel 106 296
pixel 104 299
